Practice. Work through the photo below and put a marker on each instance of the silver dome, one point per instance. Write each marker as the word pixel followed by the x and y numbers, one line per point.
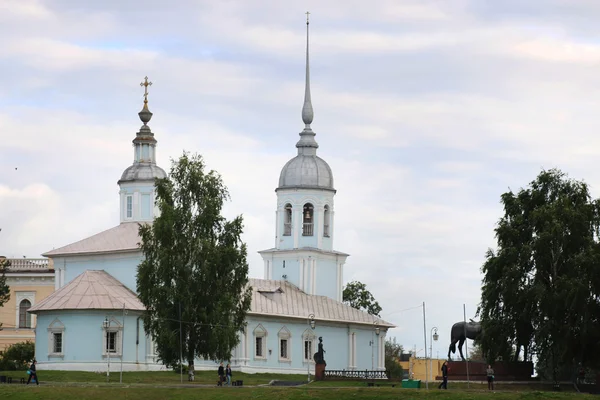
pixel 142 172
pixel 306 171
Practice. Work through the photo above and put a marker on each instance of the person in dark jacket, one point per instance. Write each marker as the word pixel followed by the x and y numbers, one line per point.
pixel 228 374
pixel 33 373
pixel 221 373
pixel 444 383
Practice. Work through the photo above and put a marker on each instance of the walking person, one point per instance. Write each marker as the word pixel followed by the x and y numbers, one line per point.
pixel 221 373
pixel 444 383
pixel 33 373
pixel 490 376
pixel 228 374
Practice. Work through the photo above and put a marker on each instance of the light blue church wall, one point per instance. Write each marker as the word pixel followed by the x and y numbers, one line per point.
pixel 123 266
pixel 337 339
pixel 291 271
pixel 83 341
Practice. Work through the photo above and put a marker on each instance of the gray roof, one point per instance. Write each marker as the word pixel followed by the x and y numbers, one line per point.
pixel 142 172
pixel 123 237
pixel 306 171
pixel 92 290
pixel 283 299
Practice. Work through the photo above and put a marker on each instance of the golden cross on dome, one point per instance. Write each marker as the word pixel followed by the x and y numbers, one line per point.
pixel 307 14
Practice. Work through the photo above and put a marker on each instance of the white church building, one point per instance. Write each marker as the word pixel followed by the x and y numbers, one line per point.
pixel 94 314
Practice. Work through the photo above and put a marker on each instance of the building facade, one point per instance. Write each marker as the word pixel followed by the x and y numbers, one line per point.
pixel 94 313
pixel 30 280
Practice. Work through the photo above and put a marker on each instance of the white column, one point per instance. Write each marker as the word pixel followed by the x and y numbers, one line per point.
pixel 301 277
pixel 331 218
pixel 313 274
pixel 297 226
pixel 338 281
pixel 382 351
pixel 349 349
pixel 318 225
pixel 278 223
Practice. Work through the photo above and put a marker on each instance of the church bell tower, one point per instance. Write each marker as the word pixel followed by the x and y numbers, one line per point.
pixel 303 252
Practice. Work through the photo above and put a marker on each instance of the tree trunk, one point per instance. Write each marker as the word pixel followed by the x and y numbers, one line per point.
pixel 517 353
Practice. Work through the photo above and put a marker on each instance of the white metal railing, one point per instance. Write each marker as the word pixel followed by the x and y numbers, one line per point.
pixel 28 264
pixel 326 230
pixel 287 229
pixel 307 229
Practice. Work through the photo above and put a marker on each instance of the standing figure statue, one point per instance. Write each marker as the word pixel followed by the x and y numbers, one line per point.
pixel 457 334
pixel 319 356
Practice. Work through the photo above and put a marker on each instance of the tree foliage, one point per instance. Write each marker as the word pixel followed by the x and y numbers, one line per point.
pixel 541 287
pixel 194 267
pixel 4 289
pixel 393 351
pixel 17 357
pixel 357 296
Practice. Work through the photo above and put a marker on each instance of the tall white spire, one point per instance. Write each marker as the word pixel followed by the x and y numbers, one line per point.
pixel 307 144
pixel 307 110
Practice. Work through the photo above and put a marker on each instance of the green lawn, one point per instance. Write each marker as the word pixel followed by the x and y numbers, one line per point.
pixel 302 393
pixel 153 377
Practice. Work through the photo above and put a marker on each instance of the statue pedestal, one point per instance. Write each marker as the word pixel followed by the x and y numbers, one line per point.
pixel 320 372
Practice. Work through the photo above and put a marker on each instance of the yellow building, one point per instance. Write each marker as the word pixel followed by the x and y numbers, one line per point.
pixel 30 280
pixel 416 368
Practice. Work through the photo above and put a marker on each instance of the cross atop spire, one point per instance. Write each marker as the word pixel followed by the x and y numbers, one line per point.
pixel 145 114
pixel 145 84
pixel 307 136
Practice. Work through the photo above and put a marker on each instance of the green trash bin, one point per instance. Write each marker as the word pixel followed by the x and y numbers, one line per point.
pixel 411 383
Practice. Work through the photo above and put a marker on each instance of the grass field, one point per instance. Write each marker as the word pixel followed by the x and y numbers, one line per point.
pixel 75 385
pixel 303 393
pixel 151 377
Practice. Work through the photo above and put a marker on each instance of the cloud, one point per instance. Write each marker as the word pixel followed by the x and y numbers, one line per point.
pixel 426 112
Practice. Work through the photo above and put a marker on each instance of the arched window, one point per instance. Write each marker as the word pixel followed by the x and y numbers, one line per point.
pixel 24 316
pixel 326 221
pixel 287 223
pixel 308 220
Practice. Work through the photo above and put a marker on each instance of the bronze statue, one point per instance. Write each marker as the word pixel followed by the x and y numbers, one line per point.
pixel 457 334
pixel 319 356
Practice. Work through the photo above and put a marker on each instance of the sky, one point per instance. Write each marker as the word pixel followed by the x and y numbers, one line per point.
pixel 426 111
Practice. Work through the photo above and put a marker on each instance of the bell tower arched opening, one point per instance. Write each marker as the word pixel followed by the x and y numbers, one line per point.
pixel 308 218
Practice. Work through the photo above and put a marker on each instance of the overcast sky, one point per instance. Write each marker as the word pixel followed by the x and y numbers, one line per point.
pixel 426 111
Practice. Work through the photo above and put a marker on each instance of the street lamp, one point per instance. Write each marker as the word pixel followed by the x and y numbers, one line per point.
pixel 434 336
pixel 311 323
pixel 106 325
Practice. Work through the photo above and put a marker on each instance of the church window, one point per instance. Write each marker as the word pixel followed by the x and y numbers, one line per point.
pixel 326 221
pixel 284 344
pixel 308 220
pixel 259 347
pixel 111 342
pixel 24 316
pixel 283 349
pixel 308 340
pixel 113 336
pixel 260 342
pixel 56 336
pixel 129 206
pixel 287 224
pixel 57 342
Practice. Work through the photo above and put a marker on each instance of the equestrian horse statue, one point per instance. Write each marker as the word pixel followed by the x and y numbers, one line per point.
pixel 457 334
